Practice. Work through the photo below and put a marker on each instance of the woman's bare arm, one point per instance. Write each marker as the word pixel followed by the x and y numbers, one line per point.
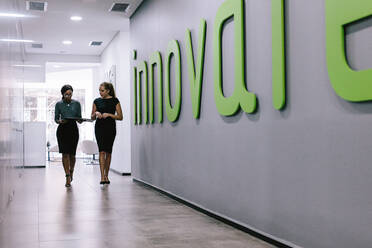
pixel 95 113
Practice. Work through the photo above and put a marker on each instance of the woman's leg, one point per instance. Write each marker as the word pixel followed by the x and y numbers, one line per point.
pixel 107 165
pixel 72 165
pixel 66 167
pixel 102 162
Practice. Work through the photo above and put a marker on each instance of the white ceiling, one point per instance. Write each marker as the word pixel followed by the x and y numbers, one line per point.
pixel 53 26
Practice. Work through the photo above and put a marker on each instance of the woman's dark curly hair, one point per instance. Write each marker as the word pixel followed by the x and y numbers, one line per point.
pixel 65 88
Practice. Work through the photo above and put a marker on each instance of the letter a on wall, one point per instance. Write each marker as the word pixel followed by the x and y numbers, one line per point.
pixel 349 84
pixel 241 97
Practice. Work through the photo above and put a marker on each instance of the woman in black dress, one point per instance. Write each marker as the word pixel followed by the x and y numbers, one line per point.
pixel 65 112
pixel 106 110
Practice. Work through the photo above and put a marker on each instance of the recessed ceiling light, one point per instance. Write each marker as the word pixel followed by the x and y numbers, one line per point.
pixel 11 15
pixel 76 18
pixel 34 66
pixel 67 42
pixel 16 40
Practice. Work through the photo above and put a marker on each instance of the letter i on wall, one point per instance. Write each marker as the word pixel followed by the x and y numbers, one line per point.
pixel 135 90
pixel 278 54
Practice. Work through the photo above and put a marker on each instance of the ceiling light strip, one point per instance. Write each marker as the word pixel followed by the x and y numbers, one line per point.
pixel 16 40
pixel 11 15
pixel 34 66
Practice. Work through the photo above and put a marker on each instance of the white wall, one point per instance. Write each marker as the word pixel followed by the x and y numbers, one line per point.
pixel 34 143
pixel 117 53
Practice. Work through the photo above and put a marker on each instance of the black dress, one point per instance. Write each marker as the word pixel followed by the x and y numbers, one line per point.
pixel 67 133
pixel 105 129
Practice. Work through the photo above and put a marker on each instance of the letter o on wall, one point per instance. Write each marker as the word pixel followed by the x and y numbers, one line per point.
pixel 173 112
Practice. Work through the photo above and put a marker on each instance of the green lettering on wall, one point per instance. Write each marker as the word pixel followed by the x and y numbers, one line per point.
pixel 135 95
pixel 349 84
pixel 155 59
pixel 173 112
pixel 142 68
pixel 241 97
pixel 134 54
pixel 196 80
pixel 278 53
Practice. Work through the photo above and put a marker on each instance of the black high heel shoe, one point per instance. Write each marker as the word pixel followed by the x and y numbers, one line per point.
pixel 67 185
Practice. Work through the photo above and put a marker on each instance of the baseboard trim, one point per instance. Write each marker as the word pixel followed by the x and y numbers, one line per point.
pixel 121 173
pixel 262 236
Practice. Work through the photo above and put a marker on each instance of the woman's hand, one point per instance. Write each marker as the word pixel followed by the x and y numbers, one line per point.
pixel 105 115
pixel 61 121
pixel 98 115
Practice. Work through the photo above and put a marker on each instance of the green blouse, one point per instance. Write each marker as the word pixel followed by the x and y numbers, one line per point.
pixel 67 110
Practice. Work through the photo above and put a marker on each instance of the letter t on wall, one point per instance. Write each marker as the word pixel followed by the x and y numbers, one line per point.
pixel 278 54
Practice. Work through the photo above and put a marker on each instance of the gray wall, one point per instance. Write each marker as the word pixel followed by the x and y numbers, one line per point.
pixel 303 174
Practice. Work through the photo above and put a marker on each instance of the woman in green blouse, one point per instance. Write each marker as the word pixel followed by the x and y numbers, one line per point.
pixel 66 111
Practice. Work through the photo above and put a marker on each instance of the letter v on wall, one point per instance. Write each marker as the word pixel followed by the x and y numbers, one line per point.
pixel 196 77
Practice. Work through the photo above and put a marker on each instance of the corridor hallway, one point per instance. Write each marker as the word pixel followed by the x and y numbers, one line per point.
pixel 43 213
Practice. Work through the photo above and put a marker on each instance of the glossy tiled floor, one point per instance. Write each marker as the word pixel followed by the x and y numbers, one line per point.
pixel 124 214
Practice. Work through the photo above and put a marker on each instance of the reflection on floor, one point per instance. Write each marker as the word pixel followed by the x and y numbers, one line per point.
pixel 123 214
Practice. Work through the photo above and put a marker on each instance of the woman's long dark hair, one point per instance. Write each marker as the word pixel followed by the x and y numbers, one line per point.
pixel 65 88
pixel 109 87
